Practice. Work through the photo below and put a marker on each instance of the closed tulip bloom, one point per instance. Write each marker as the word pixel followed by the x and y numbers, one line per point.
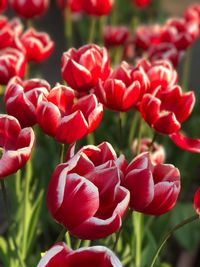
pixel 29 9
pixel 74 5
pixel 155 188
pixel 15 145
pixel 60 255
pixel 85 194
pixel 38 45
pixel 82 68
pixel 160 73
pixel 13 62
pixel 197 201
pixel 192 14
pixel 168 110
pixel 115 35
pixel 157 151
pixel 65 119
pixel 3 5
pixel 22 97
pixel 142 3
pixel 97 7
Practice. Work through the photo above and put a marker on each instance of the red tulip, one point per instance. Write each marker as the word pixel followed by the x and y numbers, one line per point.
pixel 29 9
pixel 154 189
pixel 115 35
pixel 22 97
pixel 192 14
pixel 160 74
pixel 38 45
pixel 165 51
pixel 157 152
pixel 66 120
pixel 3 5
pixel 121 90
pixel 60 255
pixel 16 145
pixel 12 63
pixel 85 195
pixel 97 7
pixel 142 3
pixel 166 111
pixel 197 201
pixel 74 5
pixel 82 68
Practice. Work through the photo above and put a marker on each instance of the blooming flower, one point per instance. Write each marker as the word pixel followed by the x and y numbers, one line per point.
pixel 115 35
pixel 85 194
pixel 155 188
pixel 29 9
pixel 61 255
pixel 22 97
pixel 66 120
pixel 82 68
pixel 15 144
pixel 97 7
pixel 38 45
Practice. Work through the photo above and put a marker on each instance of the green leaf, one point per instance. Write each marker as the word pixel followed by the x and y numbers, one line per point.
pixel 4 254
pixel 187 236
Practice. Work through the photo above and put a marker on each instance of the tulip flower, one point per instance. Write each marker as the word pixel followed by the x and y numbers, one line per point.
pixel 82 68
pixel 166 111
pixel 155 188
pixel 38 45
pixel 15 144
pixel 142 3
pixel 60 255
pixel 66 120
pixel 115 35
pixel 74 5
pixel 29 9
pixel 197 201
pixel 85 194
pixel 12 63
pixel 3 5
pixel 97 7
pixel 22 97
pixel 157 151
pixel 192 14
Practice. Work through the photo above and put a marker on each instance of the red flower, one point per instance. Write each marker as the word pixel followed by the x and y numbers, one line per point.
pixel 122 89
pixel 85 195
pixel 22 97
pixel 197 201
pixel 3 5
pixel 166 110
pixel 115 35
pixel 97 7
pixel 29 9
pixel 16 145
pixel 142 3
pixel 66 121
pixel 82 68
pixel 157 152
pixel 74 5
pixel 60 255
pixel 12 63
pixel 38 45
pixel 154 189
pixel 192 14
pixel 165 51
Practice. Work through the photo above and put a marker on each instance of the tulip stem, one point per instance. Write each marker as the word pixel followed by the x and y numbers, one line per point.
pixel 120 114
pixel 91 38
pixel 186 70
pixel 61 235
pixel 62 153
pixel 170 232
pixel 68 26
pixel 139 136
pixel 138 218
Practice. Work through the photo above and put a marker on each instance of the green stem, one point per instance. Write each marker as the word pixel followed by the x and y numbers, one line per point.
pixel 133 128
pixel 68 26
pixel 28 175
pixel 120 130
pixel 170 232
pixel 68 239
pixel 61 235
pixel 139 136
pixel 186 70
pixel 138 218
pixel 62 153
pixel 115 13
pixel 91 38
